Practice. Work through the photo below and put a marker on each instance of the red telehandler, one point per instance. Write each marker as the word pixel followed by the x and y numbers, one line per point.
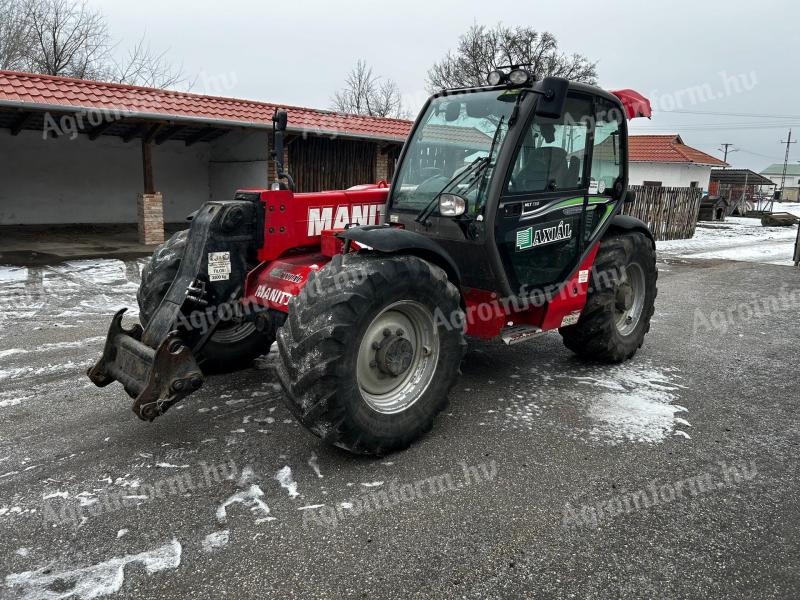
pixel 502 221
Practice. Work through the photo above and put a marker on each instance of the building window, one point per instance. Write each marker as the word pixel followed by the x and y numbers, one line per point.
pixel 652 183
pixel 694 184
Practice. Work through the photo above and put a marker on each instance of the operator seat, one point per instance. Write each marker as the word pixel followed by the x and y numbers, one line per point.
pixel 545 166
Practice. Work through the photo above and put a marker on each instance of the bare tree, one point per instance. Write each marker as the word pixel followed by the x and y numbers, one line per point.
pixel 482 49
pixel 14 36
pixel 68 38
pixel 142 66
pixel 365 93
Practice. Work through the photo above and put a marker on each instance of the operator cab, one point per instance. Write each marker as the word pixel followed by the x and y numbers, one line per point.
pixel 515 180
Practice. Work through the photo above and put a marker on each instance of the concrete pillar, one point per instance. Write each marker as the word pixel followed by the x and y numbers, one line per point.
pixel 381 163
pixel 151 219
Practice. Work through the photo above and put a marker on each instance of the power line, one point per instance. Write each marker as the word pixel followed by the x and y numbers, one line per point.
pixel 726 114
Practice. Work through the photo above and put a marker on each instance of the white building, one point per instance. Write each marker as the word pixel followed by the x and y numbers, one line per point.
pixel 664 160
pixel 792 183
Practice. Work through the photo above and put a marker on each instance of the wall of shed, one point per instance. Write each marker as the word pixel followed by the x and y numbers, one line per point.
pixel 44 181
pixel 238 160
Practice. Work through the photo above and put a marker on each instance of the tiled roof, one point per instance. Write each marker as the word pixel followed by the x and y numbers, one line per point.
pixel 45 91
pixel 667 148
pixel 456 135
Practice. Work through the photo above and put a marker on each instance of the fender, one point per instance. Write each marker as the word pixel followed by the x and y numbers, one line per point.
pixel 628 223
pixel 395 240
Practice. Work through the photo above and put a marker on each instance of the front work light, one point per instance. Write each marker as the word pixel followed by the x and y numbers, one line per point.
pixel 451 205
pixel 519 77
pixel 496 77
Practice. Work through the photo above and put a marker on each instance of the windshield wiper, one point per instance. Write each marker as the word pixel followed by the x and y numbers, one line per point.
pixel 475 169
pixel 472 169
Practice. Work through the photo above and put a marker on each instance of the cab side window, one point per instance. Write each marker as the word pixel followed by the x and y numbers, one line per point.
pixel 552 156
pixel 606 158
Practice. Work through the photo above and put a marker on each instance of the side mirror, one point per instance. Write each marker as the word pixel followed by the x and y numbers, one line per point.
pixel 280 119
pixel 451 205
pixel 630 197
pixel 552 97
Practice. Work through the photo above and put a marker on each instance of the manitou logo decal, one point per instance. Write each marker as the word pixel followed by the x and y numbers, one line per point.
pixel 548 233
pixel 339 217
pixel 272 295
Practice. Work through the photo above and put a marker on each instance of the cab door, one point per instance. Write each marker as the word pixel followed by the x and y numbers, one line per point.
pixel 542 210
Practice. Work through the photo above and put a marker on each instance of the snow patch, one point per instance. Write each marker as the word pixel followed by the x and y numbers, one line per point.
pixel 313 462
pixel 637 405
pixel 251 497
pixel 284 477
pixel 216 540
pixel 94 581
pixel 738 238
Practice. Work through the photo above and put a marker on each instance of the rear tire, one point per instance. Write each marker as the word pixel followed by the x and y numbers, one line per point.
pixel 367 360
pixel 230 348
pixel 620 301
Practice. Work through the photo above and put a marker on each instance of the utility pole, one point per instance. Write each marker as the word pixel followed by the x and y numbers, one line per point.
pixel 724 149
pixel 788 143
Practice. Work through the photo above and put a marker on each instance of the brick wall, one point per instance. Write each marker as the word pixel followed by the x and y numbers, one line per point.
pixel 381 163
pixel 151 218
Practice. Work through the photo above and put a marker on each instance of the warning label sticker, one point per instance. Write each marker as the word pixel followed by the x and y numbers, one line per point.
pixel 219 266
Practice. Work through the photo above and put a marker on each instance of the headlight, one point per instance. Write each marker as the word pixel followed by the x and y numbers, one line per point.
pixel 451 205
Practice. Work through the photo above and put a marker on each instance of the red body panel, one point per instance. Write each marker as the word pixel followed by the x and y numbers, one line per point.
pixel 273 283
pixel 300 239
pixel 297 220
pixel 487 314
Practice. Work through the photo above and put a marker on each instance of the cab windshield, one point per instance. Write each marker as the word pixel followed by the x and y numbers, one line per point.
pixel 449 150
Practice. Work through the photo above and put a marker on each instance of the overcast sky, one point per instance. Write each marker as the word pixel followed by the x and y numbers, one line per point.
pixel 681 54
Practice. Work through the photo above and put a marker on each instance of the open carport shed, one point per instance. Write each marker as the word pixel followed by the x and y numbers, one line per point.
pixel 85 152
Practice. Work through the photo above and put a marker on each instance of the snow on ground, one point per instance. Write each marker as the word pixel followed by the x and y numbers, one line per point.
pixel 738 238
pixel 635 402
pixel 94 581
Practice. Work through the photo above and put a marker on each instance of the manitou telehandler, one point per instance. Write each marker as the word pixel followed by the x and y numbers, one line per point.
pixel 502 221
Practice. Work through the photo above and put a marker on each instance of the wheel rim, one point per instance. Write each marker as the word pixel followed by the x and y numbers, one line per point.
pixel 234 334
pixel 397 357
pixel 630 297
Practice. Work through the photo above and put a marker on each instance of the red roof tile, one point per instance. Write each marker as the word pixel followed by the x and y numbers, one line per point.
pixel 667 148
pixel 49 91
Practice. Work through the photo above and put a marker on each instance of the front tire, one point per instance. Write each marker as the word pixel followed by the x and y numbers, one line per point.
pixel 370 351
pixel 232 346
pixel 620 301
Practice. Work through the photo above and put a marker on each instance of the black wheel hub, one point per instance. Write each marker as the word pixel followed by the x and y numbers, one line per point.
pixel 395 354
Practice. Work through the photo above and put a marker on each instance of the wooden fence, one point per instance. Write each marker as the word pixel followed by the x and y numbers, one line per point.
pixel 671 213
